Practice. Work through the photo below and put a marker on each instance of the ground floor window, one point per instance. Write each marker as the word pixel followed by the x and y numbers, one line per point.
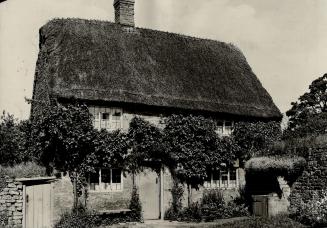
pixel 222 178
pixel 106 180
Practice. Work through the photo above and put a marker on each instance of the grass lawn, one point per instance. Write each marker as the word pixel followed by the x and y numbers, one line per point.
pixel 278 221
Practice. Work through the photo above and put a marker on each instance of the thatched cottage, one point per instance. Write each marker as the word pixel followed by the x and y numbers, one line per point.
pixel 120 71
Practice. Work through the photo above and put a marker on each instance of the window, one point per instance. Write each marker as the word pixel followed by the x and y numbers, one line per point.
pixel 106 180
pixel 106 118
pixel 224 128
pixel 224 179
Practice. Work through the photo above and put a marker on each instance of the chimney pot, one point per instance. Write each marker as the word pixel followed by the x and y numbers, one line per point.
pixel 124 12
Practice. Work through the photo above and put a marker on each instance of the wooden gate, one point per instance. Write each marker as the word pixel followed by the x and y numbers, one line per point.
pixel 149 189
pixel 260 205
pixel 38 202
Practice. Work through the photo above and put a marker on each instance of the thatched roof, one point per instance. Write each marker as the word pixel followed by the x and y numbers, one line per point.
pixel 97 60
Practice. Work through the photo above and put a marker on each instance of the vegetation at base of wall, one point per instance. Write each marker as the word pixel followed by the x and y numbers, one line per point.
pixel 312 212
pixel 135 206
pixel 281 221
pixel 211 207
pixel 82 218
pixel 176 206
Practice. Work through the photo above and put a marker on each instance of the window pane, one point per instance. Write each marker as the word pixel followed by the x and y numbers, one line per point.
pixel 94 180
pixel 105 179
pixel 116 176
pixel 224 179
pixel 105 116
pixel 228 128
pixel 232 178
pixel 219 128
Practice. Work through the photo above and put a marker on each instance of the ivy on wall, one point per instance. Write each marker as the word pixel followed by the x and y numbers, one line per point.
pixel 188 145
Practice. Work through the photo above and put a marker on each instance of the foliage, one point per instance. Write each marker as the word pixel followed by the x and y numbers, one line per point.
pixel 3 218
pixel 280 221
pixel 192 213
pixel 135 205
pixel 23 170
pixel 63 136
pixel 177 190
pixel 109 150
pixel 211 207
pixel 308 116
pixel 13 140
pixel 288 167
pixel 255 138
pixel 312 212
pixel 193 146
pixel 146 146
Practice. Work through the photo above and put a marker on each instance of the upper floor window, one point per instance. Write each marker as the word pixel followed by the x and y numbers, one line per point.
pixel 107 118
pixel 106 180
pixel 224 128
pixel 223 179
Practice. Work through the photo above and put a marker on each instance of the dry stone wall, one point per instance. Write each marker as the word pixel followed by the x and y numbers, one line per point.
pixel 11 203
pixel 314 177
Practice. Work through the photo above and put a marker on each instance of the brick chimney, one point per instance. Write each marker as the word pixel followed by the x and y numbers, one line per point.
pixel 124 12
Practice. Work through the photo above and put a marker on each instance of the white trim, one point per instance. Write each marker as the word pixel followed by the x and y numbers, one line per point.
pixel 210 184
pixel 100 182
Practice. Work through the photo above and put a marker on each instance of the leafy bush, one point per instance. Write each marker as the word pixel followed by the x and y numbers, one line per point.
pixel 191 213
pixel 210 208
pixel 174 210
pixel 312 212
pixel 135 206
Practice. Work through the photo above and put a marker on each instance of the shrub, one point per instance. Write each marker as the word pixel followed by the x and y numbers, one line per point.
pixel 175 209
pixel 213 206
pixel 191 213
pixel 135 206
pixel 312 212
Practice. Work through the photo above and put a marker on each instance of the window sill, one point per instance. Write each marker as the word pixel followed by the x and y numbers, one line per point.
pixel 104 191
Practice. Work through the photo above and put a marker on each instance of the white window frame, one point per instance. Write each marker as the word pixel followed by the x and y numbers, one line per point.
pixel 211 185
pixel 224 133
pixel 98 121
pixel 100 189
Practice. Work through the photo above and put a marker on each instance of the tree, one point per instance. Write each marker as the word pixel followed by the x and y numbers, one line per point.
pixel 62 136
pixel 13 140
pixel 308 116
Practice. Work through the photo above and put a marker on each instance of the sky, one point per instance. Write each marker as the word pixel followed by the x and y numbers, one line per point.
pixel 284 41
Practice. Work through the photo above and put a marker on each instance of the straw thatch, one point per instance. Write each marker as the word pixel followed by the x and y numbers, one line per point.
pixel 97 60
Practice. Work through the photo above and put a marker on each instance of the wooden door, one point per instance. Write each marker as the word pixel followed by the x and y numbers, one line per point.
pixel 38 206
pixel 149 190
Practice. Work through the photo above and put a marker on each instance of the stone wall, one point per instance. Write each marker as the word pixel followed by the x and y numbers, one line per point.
pixel 314 177
pixel 11 202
